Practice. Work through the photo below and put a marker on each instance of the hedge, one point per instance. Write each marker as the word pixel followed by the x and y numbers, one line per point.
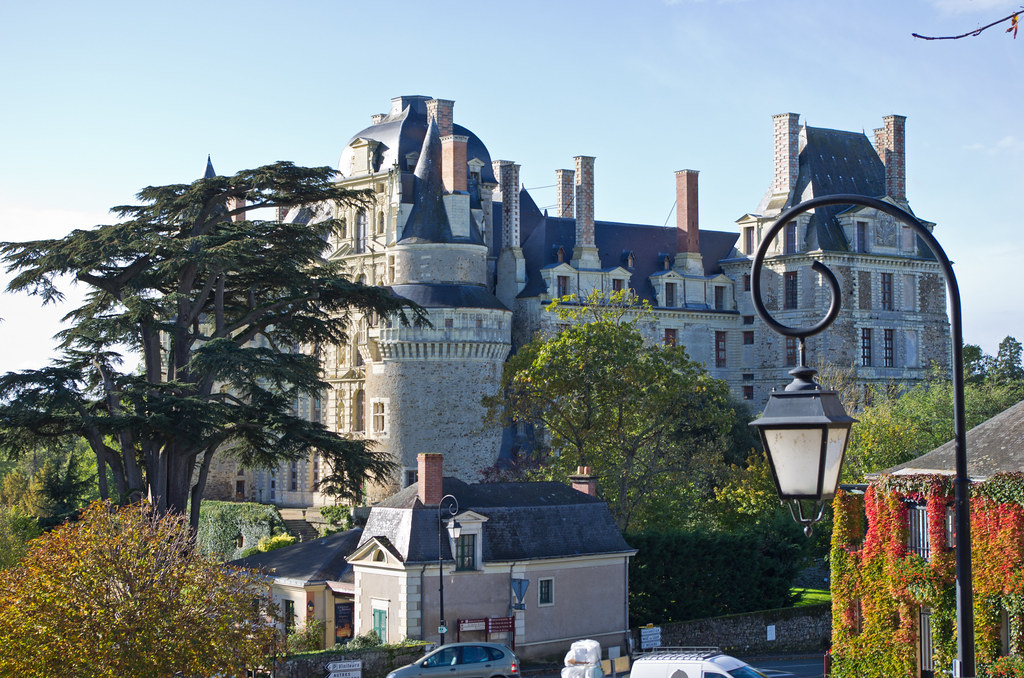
pixel 221 523
pixel 678 576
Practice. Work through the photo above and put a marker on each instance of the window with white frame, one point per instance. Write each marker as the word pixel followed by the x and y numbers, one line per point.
pixel 545 592
pixel 379 417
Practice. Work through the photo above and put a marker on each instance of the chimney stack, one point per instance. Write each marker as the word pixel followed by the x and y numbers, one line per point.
pixel 787 152
pixel 890 144
pixel 508 176
pixel 378 118
pixel 430 482
pixel 441 111
pixel 687 226
pixel 566 184
pixel 584 203
pixel 583 481
pixel 453 162
pixel 234 204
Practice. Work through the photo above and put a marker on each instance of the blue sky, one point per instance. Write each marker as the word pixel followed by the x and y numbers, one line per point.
pixel 104 98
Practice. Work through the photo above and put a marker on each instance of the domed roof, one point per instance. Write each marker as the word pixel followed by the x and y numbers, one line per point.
pixel 401 131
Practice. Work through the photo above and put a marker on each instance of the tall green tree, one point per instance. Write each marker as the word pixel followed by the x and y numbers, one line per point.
pixel 215 302
pixel 650 423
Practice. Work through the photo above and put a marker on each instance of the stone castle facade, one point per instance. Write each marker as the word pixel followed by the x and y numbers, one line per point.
pixel 453 230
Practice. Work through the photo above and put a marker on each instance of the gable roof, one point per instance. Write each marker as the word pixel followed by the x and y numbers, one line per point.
pixel 526 521
pixel 320 560
pixel 994 446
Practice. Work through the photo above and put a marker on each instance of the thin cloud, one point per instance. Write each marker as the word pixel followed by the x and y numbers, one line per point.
pixel 1008 144
pixel 975 6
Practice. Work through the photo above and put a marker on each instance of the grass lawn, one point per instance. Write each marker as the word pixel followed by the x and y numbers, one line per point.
pixel 811 596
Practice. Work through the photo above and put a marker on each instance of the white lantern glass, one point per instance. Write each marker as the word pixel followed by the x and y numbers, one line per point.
pixel 834 460
pixel 795 455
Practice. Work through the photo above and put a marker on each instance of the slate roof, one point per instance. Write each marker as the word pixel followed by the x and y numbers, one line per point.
pixel 543 235
pixel 994 446
pixel 526 521
pixel 402 132
pixel 438 295
pixel 310 561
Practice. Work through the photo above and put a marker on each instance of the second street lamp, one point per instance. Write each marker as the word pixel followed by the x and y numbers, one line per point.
pixel 455 530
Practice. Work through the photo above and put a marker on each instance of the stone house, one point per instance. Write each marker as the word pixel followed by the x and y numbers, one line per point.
pixel 536 566
pixel 893 566
pixel 453 230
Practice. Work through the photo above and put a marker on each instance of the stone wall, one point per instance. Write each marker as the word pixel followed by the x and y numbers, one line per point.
pixel 797 629
pixel 376 663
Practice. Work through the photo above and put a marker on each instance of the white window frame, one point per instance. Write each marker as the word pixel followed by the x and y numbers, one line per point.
pixel 379 420
pixel 540 588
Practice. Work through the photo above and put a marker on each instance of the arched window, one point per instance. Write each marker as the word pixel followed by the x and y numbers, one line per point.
pixel 361 231
pixel 380 223
pixel 359 412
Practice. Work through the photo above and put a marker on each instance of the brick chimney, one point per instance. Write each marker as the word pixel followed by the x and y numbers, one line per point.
pixel 890 144
pixel 234 204
pixel 453 163
pixel 565 183
pixel 787 152
pixel 687 228
pixel 583 481
pixel 508 176
pixel 431 478
pixel 441 110
pixel 584 203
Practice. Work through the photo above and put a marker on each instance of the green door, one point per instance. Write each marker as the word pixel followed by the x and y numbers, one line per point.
pixel 380 624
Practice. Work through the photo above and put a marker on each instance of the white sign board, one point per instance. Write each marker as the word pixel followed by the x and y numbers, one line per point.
pixel 345 669
pixel 771 632
pixel 650 638
pixel 473 626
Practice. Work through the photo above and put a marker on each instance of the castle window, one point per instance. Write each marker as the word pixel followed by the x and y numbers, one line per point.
pixel 719 297
pixel 560 255
pixel 748 240
pixel 317 408
pixel 361 234
pixel 378 417
pixel 790 351
pixel 789 239
pixel 748 338
pixel 721 345
pixel 671 336
pixel 449 323
pixel 411 476
pixel 746 282
pixel 479 323
pixel 748 320
pixel 887 348
pixel 862 236
pixel 667 263
pixel 342 228
pixel 359 412
pixel 865 346
pixel 670 294
pixel 293 482
pixel 616 284
pixel 748 376
pixel 630 260
pixel 887 292
pixel 748 392
pixel 391 268
pixel 563 285
pixel 380 223
pixel 790 295
pixel 316 469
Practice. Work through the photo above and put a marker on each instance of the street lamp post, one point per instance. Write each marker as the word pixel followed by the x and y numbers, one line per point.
pixel 801 423
pixel 455 530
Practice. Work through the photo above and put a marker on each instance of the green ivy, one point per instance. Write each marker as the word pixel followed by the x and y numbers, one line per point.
pixel 221 523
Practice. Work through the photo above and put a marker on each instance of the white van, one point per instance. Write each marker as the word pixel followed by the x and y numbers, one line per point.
pixel 690 662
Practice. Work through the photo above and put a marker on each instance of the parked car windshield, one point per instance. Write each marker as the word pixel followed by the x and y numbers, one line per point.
pixel 745 672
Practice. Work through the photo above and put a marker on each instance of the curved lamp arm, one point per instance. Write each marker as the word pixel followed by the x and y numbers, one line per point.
pixel 965 603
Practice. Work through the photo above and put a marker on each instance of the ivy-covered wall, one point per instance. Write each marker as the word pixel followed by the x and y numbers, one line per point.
pixel 221 523
pixel 879 587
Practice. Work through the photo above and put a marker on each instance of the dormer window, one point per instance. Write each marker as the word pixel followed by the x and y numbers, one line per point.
pixel 789 239
pixel 629 259
pixel 560 255
pixel 465 552
pixel 411 159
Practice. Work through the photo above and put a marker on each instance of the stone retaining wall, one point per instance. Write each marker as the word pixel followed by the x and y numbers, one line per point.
pixel 376 663
pixel 797 629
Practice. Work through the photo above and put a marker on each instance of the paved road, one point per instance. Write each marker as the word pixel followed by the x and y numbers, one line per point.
pixel 797 667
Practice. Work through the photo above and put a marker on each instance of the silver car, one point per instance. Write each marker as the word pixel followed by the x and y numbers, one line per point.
pixel 463 660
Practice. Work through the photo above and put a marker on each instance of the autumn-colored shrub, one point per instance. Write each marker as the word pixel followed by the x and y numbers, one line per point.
pixel 123 592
